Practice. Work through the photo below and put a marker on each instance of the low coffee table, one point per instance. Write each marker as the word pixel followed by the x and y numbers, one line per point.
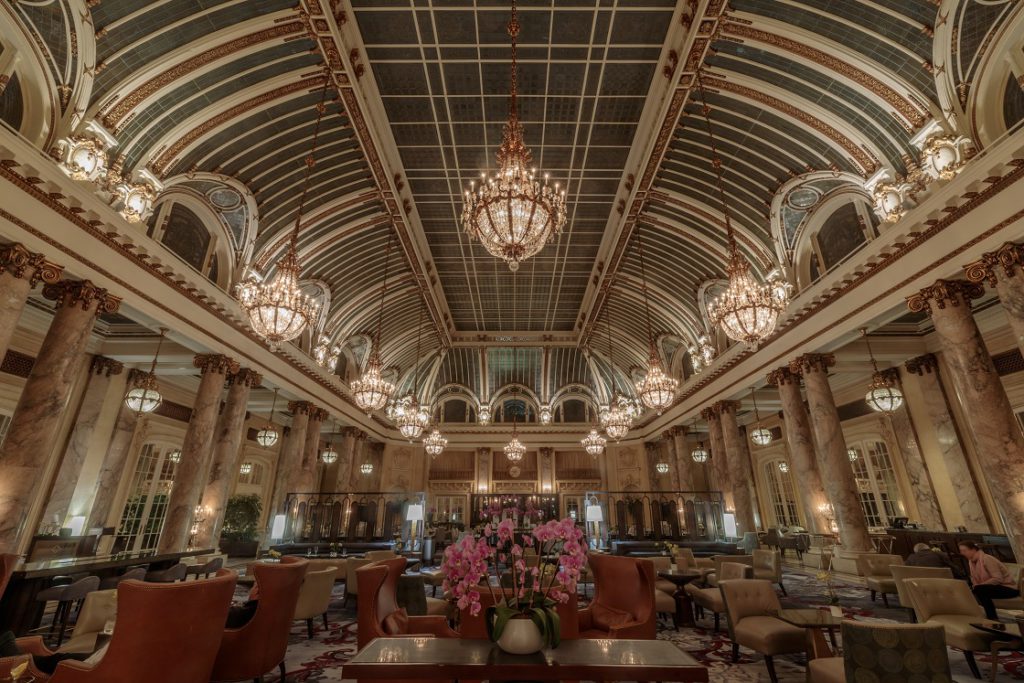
pixel 1008 638
pixel 816 622
pixel 684 606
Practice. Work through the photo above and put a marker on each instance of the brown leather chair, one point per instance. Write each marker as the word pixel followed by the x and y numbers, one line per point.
pixel 768 566
pixel 751 605
pixel 875 568
pixel 378 586
pixel 623 605
pixel 165 633
pixel 710 598
pixel 248 652
pixel 315 597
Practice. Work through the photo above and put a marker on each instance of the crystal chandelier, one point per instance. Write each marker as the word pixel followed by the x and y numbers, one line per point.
pixel 662 468
pixel 514 449
pixel 366 468
pixel 246 468
pixel 783 466
pixel 143 396
pixel 434 443
pixel 371 391
pixel 483 415
pixel 883 395
pixel 656 390
pixel 852 454
pixel 617 417
pixel 701 354
pixel 747 310
pixel 512 213
pixel 278 309
pixel 329 455
pixel 326 355
pixel 411 417
pixel 700 454
pixel 267 436
pixel 593 443
pixel 760 435
pixel 545 414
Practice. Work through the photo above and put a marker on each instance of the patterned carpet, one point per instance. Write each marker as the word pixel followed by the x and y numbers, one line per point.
pixel 323 657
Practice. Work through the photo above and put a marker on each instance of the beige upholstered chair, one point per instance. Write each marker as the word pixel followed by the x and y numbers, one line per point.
pixel 340 565
pixel 951 604
pixel 1017 602
pixel 315 596
pixel 874 567
pixel 99 608
pixel 662 564
pixel 751 605
pixel 711 598
pixel 684 558
pixel 377 555
pixel 900 573
pixel 768 566
pixel 885 652
pixel 712 578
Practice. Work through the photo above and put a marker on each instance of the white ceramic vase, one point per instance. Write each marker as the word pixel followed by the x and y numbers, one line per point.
pixel 521 637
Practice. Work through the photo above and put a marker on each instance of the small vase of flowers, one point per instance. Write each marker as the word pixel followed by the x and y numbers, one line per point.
pixel 522 618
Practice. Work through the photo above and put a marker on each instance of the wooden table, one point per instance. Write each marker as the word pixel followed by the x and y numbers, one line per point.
pixel 20 611
pixel 816 622
pixel 1006 638
pixel 684 606
pixel 591 660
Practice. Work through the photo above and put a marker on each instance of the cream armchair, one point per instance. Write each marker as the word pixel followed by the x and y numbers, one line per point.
pixel 900 574
pixel 315 597
pixel 99 608
pixel 662 564
pixel 340 565
pixel 712 578
pixel 874 567
pixel 711 598
pixel 751 606
pixel 951 604
pixel 768 566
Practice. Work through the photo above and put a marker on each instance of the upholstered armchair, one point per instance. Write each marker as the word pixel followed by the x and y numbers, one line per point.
pixel 165 633
pixel 662 564
pixel 900 573
pixel 315 597
pixel 881 651
pixel 768 566
pixel 248 652
pixel 378 555
pixel 99 608
pixel 1017 602
pixel 712 578
pixel 685 559
pixel 711 598
pixel 951 604
pixel 752 606
pixel 353 565
pixel 379 615
pixel 340 565
pixel 623 605
pixel 874 567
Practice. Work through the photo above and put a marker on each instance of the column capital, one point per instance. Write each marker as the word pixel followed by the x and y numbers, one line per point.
pixel 944 293
pixel 650 445
pixel 300 407
pixel 667 435
pixel 726 406
pixel 922 365
pixel 349 432
pixel 483 451
pixel 215 362
pixel 317 414
pixel 680 430
pixel 709 413
pixel 782 376
pixel 1009 257
pixel 546 451
pixel 17 260
pixel 362 436
pixel 71 293
pixel 247 377
pixel 106 367
pixel 808 362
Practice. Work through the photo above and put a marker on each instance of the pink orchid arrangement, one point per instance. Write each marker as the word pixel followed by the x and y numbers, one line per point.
pixel 535 590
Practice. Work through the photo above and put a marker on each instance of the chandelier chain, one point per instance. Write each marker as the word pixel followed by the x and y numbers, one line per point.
pixel 383 292
pixel 293 242
pixel 159 344
pixel 643 286
pixel 716 161
pixel 513 32
pixel 273 405
pixel 416 370
pixel 871 355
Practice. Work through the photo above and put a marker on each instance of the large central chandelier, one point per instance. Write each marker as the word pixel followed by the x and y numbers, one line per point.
pixel 411 417
pixel 278 309
pixel 371 391
pixel 511 212
pixel 883 395
pixel 656 390
pixel 747 310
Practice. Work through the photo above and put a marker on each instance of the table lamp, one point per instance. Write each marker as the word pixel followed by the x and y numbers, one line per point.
pixel 595 514
pixel 413 514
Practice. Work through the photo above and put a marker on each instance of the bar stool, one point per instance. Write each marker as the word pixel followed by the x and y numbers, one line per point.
pixel 136 573
pixel 66 596
pixel 175 573
pixel 205 569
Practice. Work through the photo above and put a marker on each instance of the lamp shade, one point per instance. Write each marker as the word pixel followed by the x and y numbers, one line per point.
pixel 414 513
pixel 595 513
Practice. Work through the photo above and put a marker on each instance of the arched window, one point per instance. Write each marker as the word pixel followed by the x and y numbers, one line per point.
pixel 876 482
pixel 27 91
pixel 142 518
pixel 835 229
pixel 255 475
pixel 782 507
pixel 515 409
pixel 184 234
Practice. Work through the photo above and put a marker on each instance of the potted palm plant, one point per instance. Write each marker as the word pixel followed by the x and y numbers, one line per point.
pixel 239 536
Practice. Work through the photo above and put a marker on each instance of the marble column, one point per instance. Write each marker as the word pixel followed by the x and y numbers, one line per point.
pixel 306 481
pixel 196 452
pixel 652 455
pixel 985 404
pixel 1002 269
pixel 831 447
pixel 739 472
pixel 802 459
pixel 668 447
pixel 114 468
pixel 227 451
pixel 20 271
pixel 748 465
pixel 33 431
pixel 719 461
pixel 360 454
pixel 690 472
pixel 289 459
pixel 101 370
pixel 926 370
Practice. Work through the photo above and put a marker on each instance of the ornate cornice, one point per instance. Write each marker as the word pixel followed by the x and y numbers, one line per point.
pixel 812 362
pixel 944 293
pixel 105 367
pixel 783 375
pixel 82 293
pixel 215 362
pixel 922 365
pixel 20 262
pixel 247 377
pixel 1009 258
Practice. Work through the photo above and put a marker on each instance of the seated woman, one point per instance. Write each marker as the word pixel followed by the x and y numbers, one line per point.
pixel 990 579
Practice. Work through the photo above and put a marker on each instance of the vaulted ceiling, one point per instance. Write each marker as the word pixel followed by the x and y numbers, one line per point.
pixel 611 111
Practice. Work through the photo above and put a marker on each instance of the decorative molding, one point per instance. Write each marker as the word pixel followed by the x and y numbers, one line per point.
pixel 944 293
pixel 812 362
pixel 215 362
pixel 783 375
pixel 246 376
pixel 922 365
pixel 1009 258
pixel 105 367
pixel 19 261
pixel 82 293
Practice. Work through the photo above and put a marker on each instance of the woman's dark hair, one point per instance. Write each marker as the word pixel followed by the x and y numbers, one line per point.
pixel 970 545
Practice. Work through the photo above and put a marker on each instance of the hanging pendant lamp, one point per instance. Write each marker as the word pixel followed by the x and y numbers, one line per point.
pixel 371 391
pixel 883 395
pixel 411 417
pixel 656 390
pixel 514 449
pixel 268 436
pixel 760 435
pixel 144 395
pixel 617 417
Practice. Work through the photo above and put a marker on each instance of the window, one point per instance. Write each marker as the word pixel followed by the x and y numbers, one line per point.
pixel 876 483
pixel 449 509
pixel 143 517
pixel 781 494
pixel 255 476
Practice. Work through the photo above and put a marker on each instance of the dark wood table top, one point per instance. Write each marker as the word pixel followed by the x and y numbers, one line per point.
pixel 810 617
pixel 1002 630
pixel 94 563
pixel 586 659
pixel 680 576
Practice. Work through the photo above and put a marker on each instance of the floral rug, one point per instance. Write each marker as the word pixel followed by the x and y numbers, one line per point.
pixel 322 658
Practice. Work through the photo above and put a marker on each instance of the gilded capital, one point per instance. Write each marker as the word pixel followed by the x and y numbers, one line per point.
pixel 810 362
pixel 944 293
pixel 1009 258
pixel 317 414
pixel 349 432
pixel 247 377
pixel 215 362
pixel 81 293
pixel 300 407
pixel 726 406
pixel 921 365
pixel 21 263
pixel 102 366
pixel 709 413
pixel 781 376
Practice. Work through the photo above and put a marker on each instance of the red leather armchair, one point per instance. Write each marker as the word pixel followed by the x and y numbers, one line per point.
pixel 165 633
pixel 623 605
pixel 378 587
pixel 248 652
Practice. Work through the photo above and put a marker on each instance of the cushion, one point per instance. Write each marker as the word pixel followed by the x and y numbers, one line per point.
pixel 881 584
pixel 960 633
pixel 826 670
pixel 606 618
pixel 665 586
pixel 8 646
pixel 663 602
pixel 770 635
pixel 709 598
pixel 396 623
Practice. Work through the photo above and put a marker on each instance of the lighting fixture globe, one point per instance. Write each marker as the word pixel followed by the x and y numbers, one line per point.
pixel 701 354
pixel 278 309
pixel 411 418
pixel 514 450
pixel 545 415
pixel 783 466
pixel 593 443
pixel 483 415
pixel 329 456
pixel 245 468
pixel 617 418
pixel 883 395
pixel 662 468
pixel 434 444
pixel 267 436
pixel 700 454
pixel 143 397
pixel 657 390
pixel 761 436
pixel 326 355
pixel 174 456
pixel 747 310
pixel 852 454
pixel 371 391
pixel 366 468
